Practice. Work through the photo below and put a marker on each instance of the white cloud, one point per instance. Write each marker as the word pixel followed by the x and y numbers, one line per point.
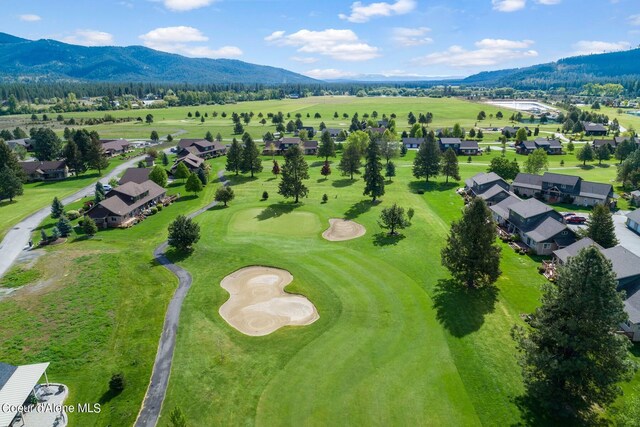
pixel 178 40
pixel 184 5
pixel 29 17
pixel 362 13
pixel 489 52
pixel 548 2
pixel 411 36
pixel 90 38
pixel 343 45
pixel 634 20
pixel 304 59
pixel 508 5
pixel 587 47
pixel 328 73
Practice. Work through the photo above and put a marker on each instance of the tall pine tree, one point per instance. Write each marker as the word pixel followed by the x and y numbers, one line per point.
pixel 350 162
pixel 234 157
pixel 572 360
pixel 601 227
pixel 450 165
pixel 471 253
pixel 327 147
pixel 374 181
pixel 294 170
pixel 427 161
pixel 251 161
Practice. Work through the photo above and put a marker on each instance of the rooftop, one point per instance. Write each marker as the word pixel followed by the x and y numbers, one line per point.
pixel 530 208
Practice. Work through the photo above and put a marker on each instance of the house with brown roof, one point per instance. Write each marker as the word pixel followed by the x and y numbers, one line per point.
pixel 201 148
pixel 113 147
pixel 137 175
pixel 191 161
pixel 283 144
pixel 54 170
pixel 125 203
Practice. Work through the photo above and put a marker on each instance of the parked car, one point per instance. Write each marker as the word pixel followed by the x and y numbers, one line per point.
pixel 107 188
pixel 576 219
pixel 568 214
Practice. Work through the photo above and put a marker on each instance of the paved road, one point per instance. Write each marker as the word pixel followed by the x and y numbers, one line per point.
pixel 17 239
pixel 152 404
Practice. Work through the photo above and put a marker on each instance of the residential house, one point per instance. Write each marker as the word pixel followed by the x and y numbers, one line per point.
pixel 551 146
pixel 594 129
pixel 633 220
pixel 137 175
pixel 469 148
pixel 282 145
pixel 311 131
pixel 201 148
pixel 453 143
pixel 412 142
pixel 191 161
pixel 383 123
pixel 511 131
pixel 333 132
pixel 483 181
pixel 618 139
pixel 554 188
pixel 377 130
pixel 22 142
pixel 598 143
pixel 113 147
pixel 635 197
pixel 626 267
pixel 538 226
pixel 54 170
pixel 125 203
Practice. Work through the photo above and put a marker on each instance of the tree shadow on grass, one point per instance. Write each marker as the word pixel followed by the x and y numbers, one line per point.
pixel 461 310
pixel 386 239
pixel 277 209
pixel 174 255
pixel 533 414
pixel 425 187
pixel 185 198
pixel 218 207
pixel 586 167
pixel 240 179
pixel 358 209
pixel 4 203
pixel 175 184
pixel 317 164
pixel 340 183
pixel 107 396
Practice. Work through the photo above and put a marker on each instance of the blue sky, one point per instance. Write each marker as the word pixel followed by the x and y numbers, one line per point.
pixel 338 39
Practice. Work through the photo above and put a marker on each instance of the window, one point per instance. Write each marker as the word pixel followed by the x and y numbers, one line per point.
pixel 546 245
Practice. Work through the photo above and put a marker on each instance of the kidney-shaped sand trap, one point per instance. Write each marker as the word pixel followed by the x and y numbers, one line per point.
pixel 258 304
pixel 343 229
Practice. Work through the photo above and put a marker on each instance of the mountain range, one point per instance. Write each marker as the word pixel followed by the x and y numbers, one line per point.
pixel 50 60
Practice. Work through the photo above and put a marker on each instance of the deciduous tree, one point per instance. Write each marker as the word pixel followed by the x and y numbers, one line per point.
pixel 193 184
pixel 450 165
pixel 536 162
pixel 10 183
pixel 350 162
pixel 393 219
pixel 183 233
pixel 224 194
pixel 159 176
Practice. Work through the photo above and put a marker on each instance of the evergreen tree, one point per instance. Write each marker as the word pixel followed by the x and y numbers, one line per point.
pixel 374 181
pixel 350 163
pixel 183 233
pixel 46 144
pixel 521 135
pixel 390 170
pixel 64 226
pixel 9 159
pixel 327 147
pixel 99 194
pixel 89 226
pixel 209 136
pixel 393 219
pixel 73 157
pixel 251 161
pixel 471 253
pixel 165 159
pixel 154 136
pixel 219 137
pixel 169 138
pixel 234 157
pixel 238 128
pixel 586 154
pixel 624 149
pixel 177 418
pixel 181 171
pixel 95 156
pixel 450 165
pixel 202 176
pixel 159 176
pixel 276 168
pixel 601 227
pixel 57 208
pixel 193 184
pixel 603 153
pixel 10 183
pixel 326 170
pixel 294 170
pixel 572 360
pixel 224 194
pixel 427 161
pixel 403 150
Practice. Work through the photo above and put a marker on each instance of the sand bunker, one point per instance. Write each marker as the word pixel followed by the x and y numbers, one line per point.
pixel 343 229
pixel 258 304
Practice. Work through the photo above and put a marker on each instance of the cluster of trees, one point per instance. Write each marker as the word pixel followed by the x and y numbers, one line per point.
pixel 431 162
pixel 245 157
pixel 82 151
pixel 11 174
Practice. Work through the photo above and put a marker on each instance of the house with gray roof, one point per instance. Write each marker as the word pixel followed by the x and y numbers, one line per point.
pixel 555 187
pixel 538 226
pixel 125 203
pixel 22 142
pixel 483 181
pixel 633 220
pixel 550 146
pixel 594 129
pixel 412 142
pixel 626 267
pixel 137 175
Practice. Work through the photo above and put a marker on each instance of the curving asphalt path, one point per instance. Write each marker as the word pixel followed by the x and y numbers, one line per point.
pixel 152 404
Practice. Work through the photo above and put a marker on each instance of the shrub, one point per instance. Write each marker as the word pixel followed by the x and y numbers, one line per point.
pixel 159 207
pixel 421 191
pixel 73 215
pixel 541 269
pixel 325 198
pixel 153 210
pixel 265 195
pixel 117 383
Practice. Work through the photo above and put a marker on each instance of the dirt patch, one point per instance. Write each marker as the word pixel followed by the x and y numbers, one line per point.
pixel 258 304
pixel 343 229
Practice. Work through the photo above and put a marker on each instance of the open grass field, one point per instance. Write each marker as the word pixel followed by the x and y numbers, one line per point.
pixel 396 343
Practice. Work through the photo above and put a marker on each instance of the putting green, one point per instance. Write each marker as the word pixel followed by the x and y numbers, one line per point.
pixel 272 220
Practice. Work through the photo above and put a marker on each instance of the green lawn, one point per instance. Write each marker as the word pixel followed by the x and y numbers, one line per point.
pixel 396 342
